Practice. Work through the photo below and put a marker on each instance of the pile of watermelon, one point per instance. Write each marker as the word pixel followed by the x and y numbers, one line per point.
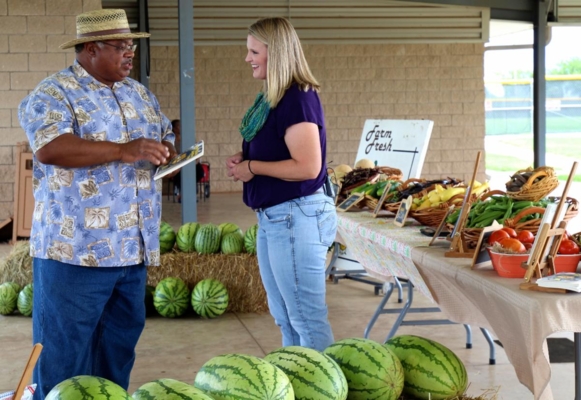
pixel 171 298
pixel 354 369
pixel 13 298
pixel 226 238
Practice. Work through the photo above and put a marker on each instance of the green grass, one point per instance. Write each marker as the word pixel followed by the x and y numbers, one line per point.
pixel 499 162
pixel 576 178
pixel 569 146
pixel 503 126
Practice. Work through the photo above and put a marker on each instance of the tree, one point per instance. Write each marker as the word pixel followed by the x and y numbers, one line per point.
pixel 567 67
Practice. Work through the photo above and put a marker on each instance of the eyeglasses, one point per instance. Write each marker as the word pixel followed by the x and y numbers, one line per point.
pixel 122 49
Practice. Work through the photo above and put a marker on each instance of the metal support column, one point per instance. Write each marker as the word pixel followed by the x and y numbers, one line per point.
pixel 187 106
pixel 144 44
pixel 539 84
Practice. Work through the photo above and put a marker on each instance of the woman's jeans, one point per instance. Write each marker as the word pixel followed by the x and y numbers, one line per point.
pixel 292 243
pixel 88 320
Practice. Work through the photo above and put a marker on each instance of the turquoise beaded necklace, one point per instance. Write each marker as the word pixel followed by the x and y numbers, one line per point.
pixel 254 118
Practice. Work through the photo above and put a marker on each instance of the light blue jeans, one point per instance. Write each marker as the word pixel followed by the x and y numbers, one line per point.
pixel 292 243
pixel 88 320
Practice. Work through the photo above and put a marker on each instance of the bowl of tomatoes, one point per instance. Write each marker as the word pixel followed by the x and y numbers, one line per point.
pixel 509 250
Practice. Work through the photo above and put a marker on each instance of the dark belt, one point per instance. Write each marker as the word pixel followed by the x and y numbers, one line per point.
pixel 318 191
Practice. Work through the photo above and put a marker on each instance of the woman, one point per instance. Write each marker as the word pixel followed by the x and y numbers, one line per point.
pixel 282 165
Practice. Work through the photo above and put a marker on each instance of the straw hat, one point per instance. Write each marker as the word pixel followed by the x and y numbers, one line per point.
pixel 107 24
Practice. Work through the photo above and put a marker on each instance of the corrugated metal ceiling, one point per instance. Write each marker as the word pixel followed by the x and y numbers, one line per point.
pixel 318 21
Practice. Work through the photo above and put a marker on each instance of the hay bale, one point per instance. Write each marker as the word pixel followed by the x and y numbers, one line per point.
pixel 17 266
pixel 238 272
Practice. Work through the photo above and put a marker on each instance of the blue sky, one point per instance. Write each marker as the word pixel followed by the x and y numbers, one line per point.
pixel 563 46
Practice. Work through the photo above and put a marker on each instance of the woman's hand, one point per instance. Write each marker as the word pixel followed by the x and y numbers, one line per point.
pixel 241 172
pixel 232 162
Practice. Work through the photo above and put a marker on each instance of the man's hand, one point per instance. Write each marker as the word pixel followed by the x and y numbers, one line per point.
pixel 145 149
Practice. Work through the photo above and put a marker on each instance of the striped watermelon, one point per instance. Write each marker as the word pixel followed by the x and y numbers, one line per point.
pixel 207 239
pixel 228 227
pixel 168 389
pixel 171 297
pixel 209 298
pixel 250 239
pixel 186 236
pixel 8 299
pixel 232 243
pixel 243 377
pixel 167 238
pixel 314 375
pixel 87 387
pixel 24 302
pixel 432 371
pixel 372 370
pixel 15 286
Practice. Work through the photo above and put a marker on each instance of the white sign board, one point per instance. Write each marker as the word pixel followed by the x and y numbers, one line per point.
pixel 400 144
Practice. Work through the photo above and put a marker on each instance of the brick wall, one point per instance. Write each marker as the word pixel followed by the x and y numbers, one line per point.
pixel 30 33
pixel 441 82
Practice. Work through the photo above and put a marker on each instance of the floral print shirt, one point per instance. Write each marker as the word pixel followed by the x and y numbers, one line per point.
pixel 105 215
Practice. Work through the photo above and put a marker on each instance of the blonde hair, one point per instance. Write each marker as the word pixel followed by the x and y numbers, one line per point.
pixel 286 62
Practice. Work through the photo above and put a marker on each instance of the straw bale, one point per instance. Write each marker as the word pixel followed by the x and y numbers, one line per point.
pixel 238 272
pixel 17 266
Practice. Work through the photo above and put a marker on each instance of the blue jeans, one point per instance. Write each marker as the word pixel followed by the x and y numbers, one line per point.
pixel 87 319
pixel 292 243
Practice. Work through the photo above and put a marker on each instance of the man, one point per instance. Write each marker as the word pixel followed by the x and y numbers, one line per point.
pixel 97 137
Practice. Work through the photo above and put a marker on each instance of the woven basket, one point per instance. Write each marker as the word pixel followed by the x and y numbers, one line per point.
pixel 534 224
pixel 393 174
pixel 393 207
pixel 531 191
pixel 369 202
pixel 433 216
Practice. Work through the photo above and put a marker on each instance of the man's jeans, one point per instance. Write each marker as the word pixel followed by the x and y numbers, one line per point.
pixel 292 243
pixel 88 320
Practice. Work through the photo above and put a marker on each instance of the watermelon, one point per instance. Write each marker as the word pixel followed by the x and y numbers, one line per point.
pixel 207 239
pixel 15 286
pixel 372 370
pixel 168 389
pixel 232 243
pixel 313 374
pixel 8 299
pixel 186 236
pixel 167 238
pixel 24 302
pixel 171 297
pixel 250 239
pixel 228 227
pixel 432 371
pixel 243 377
pixel 209 298
pixel 87 387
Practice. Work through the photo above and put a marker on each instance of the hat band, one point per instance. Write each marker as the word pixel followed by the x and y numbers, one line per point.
pixel 105 32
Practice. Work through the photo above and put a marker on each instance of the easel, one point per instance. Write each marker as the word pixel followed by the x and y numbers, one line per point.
pixel 538 264
pixel 459 247
pixel 25 378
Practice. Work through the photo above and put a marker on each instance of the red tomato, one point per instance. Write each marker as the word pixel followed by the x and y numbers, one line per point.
pixel 497 236
pixel 568 247
pixel 511 232
pixel 528 246
pixel 513 244
pixel 525 237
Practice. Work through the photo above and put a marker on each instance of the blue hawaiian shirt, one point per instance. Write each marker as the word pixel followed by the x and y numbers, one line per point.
pixel 105 215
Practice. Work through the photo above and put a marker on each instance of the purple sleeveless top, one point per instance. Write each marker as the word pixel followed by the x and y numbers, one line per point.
pixel 295 107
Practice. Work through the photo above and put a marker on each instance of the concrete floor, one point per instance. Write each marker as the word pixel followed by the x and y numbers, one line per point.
pixel 178 348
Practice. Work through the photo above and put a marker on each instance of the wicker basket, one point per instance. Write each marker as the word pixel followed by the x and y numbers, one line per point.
pixel 535 191
pixel 393 207
pixel 433 216
pixel 534 224
pixel 369 202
